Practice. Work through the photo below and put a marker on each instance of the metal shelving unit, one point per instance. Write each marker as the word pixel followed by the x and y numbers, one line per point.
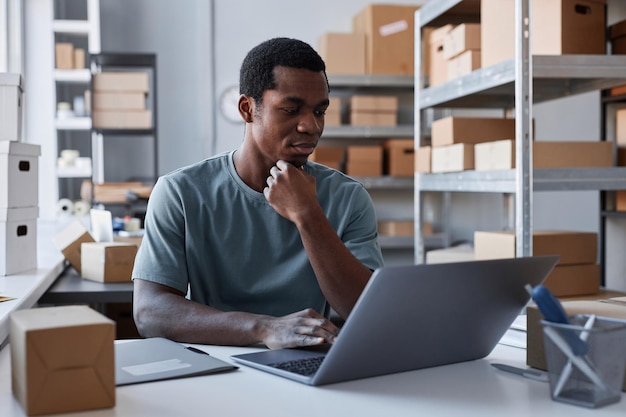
pixel 85 31
pixel 112 62
pixel 516 83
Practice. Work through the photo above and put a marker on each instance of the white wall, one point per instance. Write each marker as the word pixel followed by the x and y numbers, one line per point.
pixel 180 33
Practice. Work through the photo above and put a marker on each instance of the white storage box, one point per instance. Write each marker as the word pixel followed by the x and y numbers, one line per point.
pixel 18 239
pixel 11 106
pixel 19 174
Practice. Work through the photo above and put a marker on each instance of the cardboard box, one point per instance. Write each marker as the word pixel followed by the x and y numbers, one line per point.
pixel 64 54
pixel 463 64
pixel 364 154
pixel 389 31
pixel 422 159
pixel 135 119
pixel 19 173
pixel 570 280
pixel 79 58
pixel 119 101
pixel 364 168
pixel 134 240
pixel 501 155
pixel 620 127
pixel 364 161
pixel 399 157
pixel 113 192
pixel 464 37
pixel 438 64
pixel 620 200
pixel 373 119
pixel 459 253
pixel 331 156
pixel 69 241
pixel 343 53
pixel 396 228
pixel 121 81
pixel 18 239
pixel 62 359
pixel 573 247
pixel 11 107
pixel 108 261
pixel 604 305
pixel 382 104
pixel 452 158
pixel 572 154
pixel 558 27
pixel 333 112
pixel 617 34
pixel 451 130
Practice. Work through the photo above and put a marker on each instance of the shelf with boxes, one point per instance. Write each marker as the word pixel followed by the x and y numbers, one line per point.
pixel 76 33
pixel 124 132
pixel 19 182
pixel 514 74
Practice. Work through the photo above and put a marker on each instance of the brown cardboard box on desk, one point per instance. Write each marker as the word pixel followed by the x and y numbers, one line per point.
pixel 69 242
pixel 62 359
pixel 604 304
pixel 108 261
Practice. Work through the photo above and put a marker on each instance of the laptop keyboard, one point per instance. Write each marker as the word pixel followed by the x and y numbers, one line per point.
pixel 305 366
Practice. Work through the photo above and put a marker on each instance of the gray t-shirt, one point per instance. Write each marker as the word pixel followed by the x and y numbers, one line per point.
pixel 211 234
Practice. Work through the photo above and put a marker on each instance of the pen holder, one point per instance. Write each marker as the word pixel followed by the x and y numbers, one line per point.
pixel 593 376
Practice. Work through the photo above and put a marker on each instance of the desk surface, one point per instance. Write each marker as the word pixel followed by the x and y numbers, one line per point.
pixel 466 389
pixel 71 288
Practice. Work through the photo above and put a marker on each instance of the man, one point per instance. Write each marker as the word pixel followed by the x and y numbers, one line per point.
pixel 262 241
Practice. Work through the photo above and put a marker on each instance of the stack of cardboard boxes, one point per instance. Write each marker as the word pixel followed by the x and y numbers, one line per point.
pixel 558 27
pixel 373 110
pixel 577 272
pixel 19 183
pixel 381 42
pixel 119 100
pixel 453 140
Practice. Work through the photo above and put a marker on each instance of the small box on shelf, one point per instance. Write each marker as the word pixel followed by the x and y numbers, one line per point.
pixel 64 54
pixel 365 161
pixel 399 157
pixel 452 158
pixel 389 31
pixel 343 53
pixel 558 27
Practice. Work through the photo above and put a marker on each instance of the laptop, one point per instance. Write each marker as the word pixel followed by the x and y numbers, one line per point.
pixel 414 317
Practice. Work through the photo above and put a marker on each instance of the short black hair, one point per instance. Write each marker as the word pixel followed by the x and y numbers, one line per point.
pixel 257 69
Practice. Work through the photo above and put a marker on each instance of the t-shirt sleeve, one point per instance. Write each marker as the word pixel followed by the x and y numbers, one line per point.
pixel 161 255
pixel 361 233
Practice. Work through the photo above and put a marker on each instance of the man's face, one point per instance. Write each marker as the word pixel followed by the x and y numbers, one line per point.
pixel 289 122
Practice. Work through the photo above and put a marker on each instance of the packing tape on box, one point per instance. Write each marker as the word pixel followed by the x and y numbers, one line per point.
pixel 81 208
pixel 65 206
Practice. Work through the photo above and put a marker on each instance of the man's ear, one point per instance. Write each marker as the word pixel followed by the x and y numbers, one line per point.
pixel 246 108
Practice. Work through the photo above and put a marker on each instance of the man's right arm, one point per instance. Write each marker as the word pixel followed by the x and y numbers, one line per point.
pixel 161 311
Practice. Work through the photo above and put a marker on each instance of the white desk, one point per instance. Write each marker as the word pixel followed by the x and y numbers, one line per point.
pixel 466 389
pixel 29 286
